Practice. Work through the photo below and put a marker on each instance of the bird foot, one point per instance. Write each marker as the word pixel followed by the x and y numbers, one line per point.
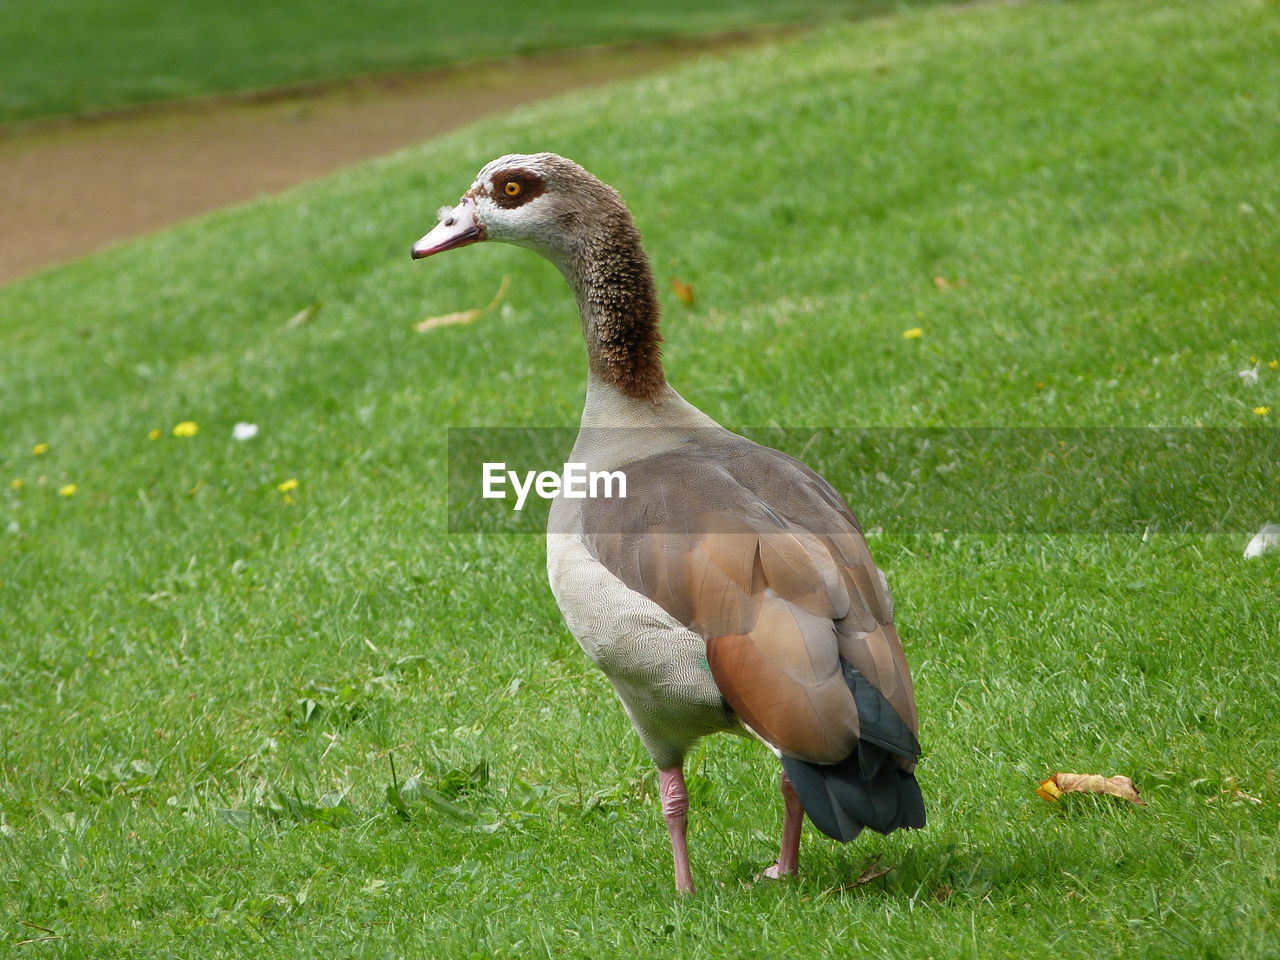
pixel 777 872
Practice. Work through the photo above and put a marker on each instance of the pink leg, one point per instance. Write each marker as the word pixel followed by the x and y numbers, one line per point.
pixel 675 810
pixel 792 820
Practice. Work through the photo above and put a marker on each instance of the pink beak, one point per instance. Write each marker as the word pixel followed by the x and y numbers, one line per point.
pixel 457 229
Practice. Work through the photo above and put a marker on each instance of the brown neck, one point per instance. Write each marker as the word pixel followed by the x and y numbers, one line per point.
pixel 618 303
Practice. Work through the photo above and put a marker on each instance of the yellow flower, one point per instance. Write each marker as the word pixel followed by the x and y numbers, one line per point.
pixel 915 333
pixel 187 428
pixel 1253 360
pixel 1273 364
pixel 17 483
pixel 67 490
pixel 288 485
pixel 288 498
pixel 154 435
pixel 40 448
pixel 1262 411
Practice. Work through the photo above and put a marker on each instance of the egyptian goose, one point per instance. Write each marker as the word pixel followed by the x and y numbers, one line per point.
pixel 731 590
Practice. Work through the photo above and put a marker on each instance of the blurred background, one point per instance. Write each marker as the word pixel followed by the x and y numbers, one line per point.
pixel 118 117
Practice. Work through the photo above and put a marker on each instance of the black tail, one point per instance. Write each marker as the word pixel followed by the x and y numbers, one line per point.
pixel 841 798
pixel 868 788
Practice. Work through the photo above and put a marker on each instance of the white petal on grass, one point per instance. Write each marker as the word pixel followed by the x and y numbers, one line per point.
pixel 244 431
pixel 1249 376
pixel 1264 541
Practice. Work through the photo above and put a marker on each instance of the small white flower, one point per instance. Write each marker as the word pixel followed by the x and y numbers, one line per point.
pixel 247 431
pixel 1265 540
pixel 1249 376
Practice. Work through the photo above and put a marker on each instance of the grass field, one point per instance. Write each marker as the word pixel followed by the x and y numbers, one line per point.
pixel 81 56
pixel 206 678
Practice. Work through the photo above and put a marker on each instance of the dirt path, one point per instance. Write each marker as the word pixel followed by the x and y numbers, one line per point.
pixel 70 189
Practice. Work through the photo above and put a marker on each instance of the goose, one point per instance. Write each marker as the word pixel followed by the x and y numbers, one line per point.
pixel 731 590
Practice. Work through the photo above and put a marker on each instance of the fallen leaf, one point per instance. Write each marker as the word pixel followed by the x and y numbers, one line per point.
pixel 941 283
pixel 1048 790
pixel 683 291
pixel 1236 797
pixel 302 316
pixel 448 320
pixel 464 316
pixel 872 871
pixel 1062 783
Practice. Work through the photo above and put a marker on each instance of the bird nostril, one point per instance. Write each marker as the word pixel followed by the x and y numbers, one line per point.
pixel 450 222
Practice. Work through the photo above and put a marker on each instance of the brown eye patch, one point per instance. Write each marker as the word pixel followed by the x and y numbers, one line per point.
pixel 511 188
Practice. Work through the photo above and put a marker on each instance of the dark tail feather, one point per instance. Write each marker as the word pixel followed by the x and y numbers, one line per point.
pixel 866 789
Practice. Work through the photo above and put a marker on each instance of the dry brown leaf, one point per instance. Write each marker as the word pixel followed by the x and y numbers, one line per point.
pixel 872 871
pixel 941 283
pixel 1236 797
pixel 464 316
pixel 683 291
pixel 1060 783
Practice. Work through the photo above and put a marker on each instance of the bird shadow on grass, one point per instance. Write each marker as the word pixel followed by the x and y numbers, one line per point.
pixel 934 871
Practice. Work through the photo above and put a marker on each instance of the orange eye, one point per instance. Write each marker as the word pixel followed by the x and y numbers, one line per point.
pixel 512 189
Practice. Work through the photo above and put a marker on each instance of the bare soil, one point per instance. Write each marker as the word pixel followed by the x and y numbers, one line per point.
pixel 70 187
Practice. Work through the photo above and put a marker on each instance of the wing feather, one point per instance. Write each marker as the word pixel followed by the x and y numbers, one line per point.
pixel 753 551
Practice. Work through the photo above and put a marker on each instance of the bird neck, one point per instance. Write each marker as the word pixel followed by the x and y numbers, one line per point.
pixel 618 304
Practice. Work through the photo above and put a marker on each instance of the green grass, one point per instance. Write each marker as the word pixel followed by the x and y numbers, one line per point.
pixel 191 662
pixel 81 56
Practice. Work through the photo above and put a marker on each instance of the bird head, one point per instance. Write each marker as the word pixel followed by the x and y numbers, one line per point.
pixel 541 201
